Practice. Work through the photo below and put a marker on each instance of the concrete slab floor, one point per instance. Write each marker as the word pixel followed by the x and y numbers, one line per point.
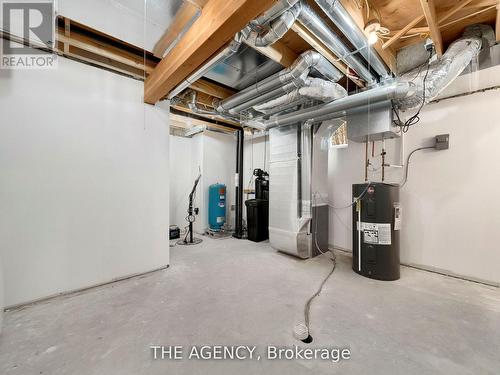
pixel 230 292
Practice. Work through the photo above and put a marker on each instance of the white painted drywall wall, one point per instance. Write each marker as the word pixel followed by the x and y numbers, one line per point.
pixel 219 165
pixel 181 178
pixel 84 182
pixel 450 217
pixel 214 154
pixel 255 155
pixel 2 304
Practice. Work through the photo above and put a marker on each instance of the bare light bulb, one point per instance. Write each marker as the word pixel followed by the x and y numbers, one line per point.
pixel 372 38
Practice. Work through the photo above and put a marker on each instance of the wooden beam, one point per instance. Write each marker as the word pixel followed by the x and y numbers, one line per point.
pixel 212 89
pixel 187 12
pixel 277 52
pixel 429 9
pixel 220 20
pixel 315 43
pixel 402 32
pixel 103 49
pixel 67 33
pixel 461 3
pixel 452 22
pixel 223 121
pixel 497 26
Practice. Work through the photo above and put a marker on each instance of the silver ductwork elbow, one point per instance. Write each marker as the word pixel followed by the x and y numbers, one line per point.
pixel 396 90
pixel 278 27
pixel 276 10
pixel 277 83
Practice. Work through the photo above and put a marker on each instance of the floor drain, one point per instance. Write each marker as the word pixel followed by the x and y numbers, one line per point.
pixel 308 340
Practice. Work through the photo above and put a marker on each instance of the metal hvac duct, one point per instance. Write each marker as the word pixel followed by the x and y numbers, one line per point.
pixel 310 19
pixel 230 50
pixel 278 27
pixel 331 110
pixel 343 20
pixel 295 75
pixel 273 12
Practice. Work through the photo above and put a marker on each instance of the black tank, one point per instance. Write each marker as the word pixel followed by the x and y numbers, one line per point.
pixel 379 229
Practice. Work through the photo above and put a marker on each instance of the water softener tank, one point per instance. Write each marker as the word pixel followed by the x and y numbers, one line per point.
pixel 216 206
pixel 376 225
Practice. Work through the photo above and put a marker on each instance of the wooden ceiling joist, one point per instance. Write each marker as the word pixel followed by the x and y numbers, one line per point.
pixel 497 23
pixel 429 9
pixel 402 32
pixel 184 16
pixel 460 4
pixel 278 52
pixel 216 26
pixel 202 85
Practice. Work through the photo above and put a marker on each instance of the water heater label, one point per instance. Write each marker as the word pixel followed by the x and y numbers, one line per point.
pixel 376 234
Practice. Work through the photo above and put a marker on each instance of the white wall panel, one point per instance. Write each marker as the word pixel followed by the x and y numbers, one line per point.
pixel 84 182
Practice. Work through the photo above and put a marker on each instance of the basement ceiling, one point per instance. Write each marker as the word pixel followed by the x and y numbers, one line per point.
pixel 137 22
pixel 243 69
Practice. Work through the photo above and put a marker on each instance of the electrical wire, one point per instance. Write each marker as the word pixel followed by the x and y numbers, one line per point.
pixel 355 200
pixel 413 120
pixel 307 307
pixel 408 162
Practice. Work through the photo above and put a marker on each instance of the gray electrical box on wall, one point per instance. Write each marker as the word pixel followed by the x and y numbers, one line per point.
pixel 442 142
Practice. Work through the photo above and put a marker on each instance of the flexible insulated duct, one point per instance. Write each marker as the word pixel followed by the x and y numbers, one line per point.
pixel 343 20
pixel 441 72
pixel 314 88
pixel 295 75
pixel 332 109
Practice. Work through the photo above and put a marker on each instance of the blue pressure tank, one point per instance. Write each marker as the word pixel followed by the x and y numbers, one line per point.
pixel 216 206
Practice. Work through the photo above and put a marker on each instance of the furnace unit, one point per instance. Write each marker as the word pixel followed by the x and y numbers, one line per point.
pixel 376 226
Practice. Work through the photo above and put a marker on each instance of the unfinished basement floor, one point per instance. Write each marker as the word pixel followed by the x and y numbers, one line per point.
pixel 229 292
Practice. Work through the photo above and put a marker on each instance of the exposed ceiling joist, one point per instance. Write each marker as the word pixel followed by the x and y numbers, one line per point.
pixel 429 9
pixel 460 4
pixel 402 32
pixel 103 49
pixel 277 52
pixel 216 26
pixel 212 89
pixel 184 16
pixel 497 25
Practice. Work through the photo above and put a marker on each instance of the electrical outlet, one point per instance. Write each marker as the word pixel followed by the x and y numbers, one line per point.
pixel 442 142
